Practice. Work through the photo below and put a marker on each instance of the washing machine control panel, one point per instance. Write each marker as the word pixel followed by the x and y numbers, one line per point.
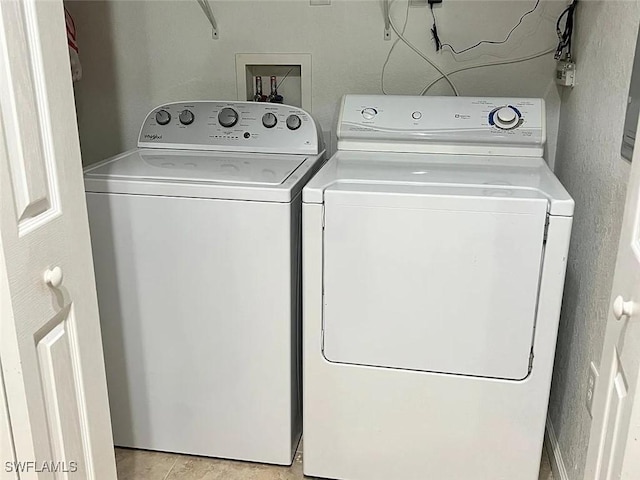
pixel 446 124
pixel 231 126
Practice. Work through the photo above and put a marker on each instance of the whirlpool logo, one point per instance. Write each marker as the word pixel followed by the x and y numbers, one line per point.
pixel 152 136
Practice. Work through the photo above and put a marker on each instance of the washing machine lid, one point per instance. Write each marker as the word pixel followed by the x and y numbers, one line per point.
pixel 203 174
pixel 401 176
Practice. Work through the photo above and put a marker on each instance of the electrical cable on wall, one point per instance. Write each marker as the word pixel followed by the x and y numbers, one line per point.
pixel 434 28
pixel 417 50
pixel 565 34
pixel 440 45
pixel 491 64
pixel 393 46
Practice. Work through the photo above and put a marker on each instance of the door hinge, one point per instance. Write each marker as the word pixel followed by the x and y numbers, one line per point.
pixel 531 361
pixel 546 230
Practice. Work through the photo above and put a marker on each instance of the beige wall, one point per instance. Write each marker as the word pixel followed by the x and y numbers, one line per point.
pixel 591 168
pixel 139 54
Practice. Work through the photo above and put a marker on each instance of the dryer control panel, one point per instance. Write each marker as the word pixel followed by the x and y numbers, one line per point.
pixel 231 126
pixel 492 125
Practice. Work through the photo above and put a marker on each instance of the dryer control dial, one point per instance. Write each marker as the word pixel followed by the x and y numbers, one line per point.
pixel 163 117
pixel 505 117
pixel 228 117
pixel 369 113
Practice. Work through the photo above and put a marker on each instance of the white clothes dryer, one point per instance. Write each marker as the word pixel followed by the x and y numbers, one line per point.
pixel 435 247
pixel 196 243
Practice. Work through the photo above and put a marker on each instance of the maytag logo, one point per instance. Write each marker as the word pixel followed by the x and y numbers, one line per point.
pixel 152 136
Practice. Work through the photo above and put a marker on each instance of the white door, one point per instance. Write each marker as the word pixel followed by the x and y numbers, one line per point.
pixel 55 401
pixel 614 445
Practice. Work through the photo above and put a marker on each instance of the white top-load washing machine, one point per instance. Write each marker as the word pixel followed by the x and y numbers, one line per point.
pixel 435 246
pixel 196 243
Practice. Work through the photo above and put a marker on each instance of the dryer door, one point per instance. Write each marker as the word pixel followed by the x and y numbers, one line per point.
pixel 437 279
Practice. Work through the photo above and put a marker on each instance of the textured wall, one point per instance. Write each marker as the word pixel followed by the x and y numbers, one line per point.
pixel 589 164
pixel 139 54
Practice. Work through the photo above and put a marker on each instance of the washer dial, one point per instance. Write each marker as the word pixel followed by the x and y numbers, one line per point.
pixel 186 117
pixel 269 120
pixel 228 117
pixel 163 117
pixel 293 122
pixel 506 117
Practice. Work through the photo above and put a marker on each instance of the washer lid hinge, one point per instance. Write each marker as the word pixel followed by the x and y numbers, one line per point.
pixel 531 361
pixel 323 215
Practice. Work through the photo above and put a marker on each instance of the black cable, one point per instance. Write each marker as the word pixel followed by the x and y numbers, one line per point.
pixel 481 42
pixel 434 31
pixel 565 35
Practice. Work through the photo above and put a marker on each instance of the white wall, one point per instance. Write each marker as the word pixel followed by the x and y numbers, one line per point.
pixel 139 54
pixel 591 168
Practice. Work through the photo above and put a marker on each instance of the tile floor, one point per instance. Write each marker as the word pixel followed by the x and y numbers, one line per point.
pixel 144 465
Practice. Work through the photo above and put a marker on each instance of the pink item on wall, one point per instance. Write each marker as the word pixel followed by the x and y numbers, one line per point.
pixel 76 67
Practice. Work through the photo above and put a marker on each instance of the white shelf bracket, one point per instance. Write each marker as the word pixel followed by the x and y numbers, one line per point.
pixel 206 8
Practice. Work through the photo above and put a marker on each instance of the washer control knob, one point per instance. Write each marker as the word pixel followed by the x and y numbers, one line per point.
pixel 506 117
pixel 416 115
pixel 163 117
pixel 293 122
pixel 186 117
pixel 228 117
pixel 269 120
pixel 369 113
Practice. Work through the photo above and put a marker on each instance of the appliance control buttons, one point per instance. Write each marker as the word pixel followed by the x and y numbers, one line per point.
pixel 369 113
pixel 506 117
pixel 163 117
pixel 269 120
pixel 228 117
pixel 293 122
pixel 186 117
pixel 416 115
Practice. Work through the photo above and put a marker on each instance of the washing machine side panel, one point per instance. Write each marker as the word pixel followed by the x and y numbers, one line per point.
pixel 318 390
pixel 428 288
pixel 196 313
pixel 368 423
pixel 296 325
